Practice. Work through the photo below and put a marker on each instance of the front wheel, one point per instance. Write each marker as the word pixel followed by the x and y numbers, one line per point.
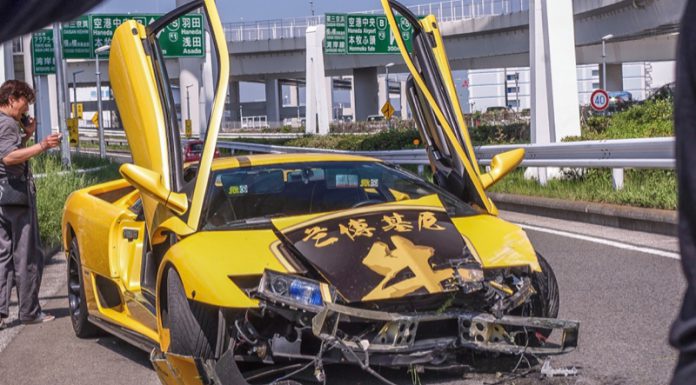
pixel 545 303
pixel 192 325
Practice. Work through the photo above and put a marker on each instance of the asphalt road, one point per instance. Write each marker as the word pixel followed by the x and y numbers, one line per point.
pixel 625 297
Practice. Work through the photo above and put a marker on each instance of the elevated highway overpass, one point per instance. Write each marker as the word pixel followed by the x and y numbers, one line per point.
pixel 644 30
pixel 479 34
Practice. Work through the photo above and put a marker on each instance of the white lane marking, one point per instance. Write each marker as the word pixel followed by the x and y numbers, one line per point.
pixel 620 245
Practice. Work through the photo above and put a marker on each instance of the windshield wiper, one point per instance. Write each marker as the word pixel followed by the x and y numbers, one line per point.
pixel 254 222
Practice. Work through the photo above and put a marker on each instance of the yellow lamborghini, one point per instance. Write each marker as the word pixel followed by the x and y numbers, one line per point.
pixel 295 261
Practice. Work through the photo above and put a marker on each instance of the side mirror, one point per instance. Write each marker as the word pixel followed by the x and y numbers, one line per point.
pixel 150 183
pixel 501 165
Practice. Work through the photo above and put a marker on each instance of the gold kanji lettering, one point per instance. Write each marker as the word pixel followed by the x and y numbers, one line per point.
pixel 389 262
pixel 428 221
pixel 357 228
pixel 319 236
pixel 396 222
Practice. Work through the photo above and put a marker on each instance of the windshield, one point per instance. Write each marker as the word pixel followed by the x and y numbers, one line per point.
pixel 240 194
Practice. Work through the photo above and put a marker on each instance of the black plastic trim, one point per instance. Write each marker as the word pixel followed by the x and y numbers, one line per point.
pixel 136 339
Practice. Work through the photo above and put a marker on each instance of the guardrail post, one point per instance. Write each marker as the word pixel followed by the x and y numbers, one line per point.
pixel 421 170
pixel 617 177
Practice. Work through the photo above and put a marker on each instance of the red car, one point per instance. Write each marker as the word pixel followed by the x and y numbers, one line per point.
pixel 193 150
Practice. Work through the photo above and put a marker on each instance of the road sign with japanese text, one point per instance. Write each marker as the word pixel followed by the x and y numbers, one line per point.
pixel 77 39
pixel 43 57
pixel 364 34
pixel 183 37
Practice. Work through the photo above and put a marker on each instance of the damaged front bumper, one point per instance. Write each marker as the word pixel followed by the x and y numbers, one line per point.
pixel 406 339
pixel 401 340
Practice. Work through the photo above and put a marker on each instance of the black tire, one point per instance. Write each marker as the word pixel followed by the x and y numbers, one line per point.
pixel 77 304
pixel 546 302
pixel 192 325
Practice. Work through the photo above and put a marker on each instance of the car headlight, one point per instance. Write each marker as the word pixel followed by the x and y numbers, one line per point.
pixel 292 290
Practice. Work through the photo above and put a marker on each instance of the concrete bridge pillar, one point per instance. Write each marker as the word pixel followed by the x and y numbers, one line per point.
pixel 554 96
pixel 614 77
pixel 329 96
pixel 383 93
pixel 364 97
pixel 7 70
pixel 235 103
pixel 273 102
pixel 318 111
pixel 294 96
pixel 190 83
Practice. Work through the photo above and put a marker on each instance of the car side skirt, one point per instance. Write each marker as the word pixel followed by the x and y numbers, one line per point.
pixel 136 339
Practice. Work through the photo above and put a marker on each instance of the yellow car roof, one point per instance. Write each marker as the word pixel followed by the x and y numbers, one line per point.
pixel 267 159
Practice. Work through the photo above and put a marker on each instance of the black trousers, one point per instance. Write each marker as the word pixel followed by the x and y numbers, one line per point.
pixel 683 333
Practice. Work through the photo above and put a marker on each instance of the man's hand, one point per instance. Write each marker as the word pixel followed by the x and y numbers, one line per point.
pixel 51 141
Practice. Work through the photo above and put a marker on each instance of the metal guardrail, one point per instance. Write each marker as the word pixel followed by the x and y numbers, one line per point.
pixel 625 153
pixel 119 137
pixel 622 153
pixel 444 11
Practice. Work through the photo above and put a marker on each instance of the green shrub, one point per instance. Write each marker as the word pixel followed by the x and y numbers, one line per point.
pixel 500 134
pixel 53 188
pixel 395 139
pixel 652 118
pixel 642 188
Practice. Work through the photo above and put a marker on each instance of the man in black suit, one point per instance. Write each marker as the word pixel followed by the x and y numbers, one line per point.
pixel 683 334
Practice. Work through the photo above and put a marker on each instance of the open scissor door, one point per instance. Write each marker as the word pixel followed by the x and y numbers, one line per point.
pixel 433 100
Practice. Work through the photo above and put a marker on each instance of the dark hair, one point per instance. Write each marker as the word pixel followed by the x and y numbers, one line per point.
pixel 15 89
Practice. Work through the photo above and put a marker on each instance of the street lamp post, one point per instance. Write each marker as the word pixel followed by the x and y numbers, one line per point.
pixel 61 89
pixel 100 118
pixel 517 90
pixel 386 80
pixel 74 84
pixel 604 61
pixel 187 122
pixel 74 109
pixel 241 115
pixel 188 105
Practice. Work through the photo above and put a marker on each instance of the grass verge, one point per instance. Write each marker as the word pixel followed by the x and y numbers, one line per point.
pixel 642 188
pixel 53 189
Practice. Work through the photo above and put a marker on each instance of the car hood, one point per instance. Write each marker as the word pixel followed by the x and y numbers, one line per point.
pixel 384 251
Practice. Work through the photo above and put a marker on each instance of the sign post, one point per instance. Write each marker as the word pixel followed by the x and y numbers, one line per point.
pixel 388 111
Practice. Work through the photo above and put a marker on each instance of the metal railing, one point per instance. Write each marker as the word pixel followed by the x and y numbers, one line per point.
pixel 444 11
pixel 624 153
pixel 614 154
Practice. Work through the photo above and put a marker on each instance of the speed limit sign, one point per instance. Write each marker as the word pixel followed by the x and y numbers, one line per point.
pixel 599 100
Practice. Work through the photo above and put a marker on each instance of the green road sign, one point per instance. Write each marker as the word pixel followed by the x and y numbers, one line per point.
pixel 103 27
pixel 182 38
pixel 44 59
pixel 363 34
pixel 77 39
pixel 335 37
pixel 80 37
